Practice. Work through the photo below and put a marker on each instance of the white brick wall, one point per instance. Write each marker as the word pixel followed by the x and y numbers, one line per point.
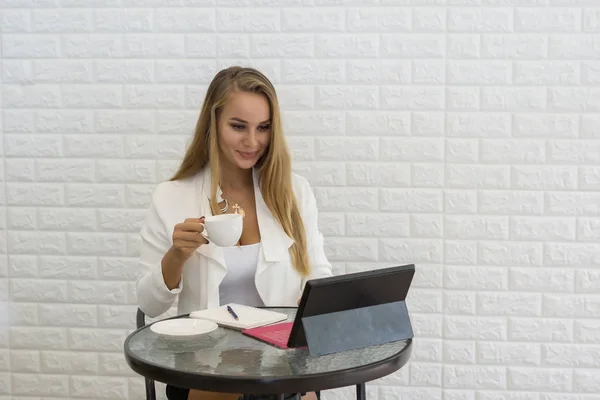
pixel 462 135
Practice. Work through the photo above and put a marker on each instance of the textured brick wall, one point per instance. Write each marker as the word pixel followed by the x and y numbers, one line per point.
pixel 462 135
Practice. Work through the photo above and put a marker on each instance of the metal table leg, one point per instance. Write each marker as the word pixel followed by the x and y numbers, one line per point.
pixel 361 392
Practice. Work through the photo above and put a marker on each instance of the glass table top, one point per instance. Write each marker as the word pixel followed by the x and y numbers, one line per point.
pixel 227 352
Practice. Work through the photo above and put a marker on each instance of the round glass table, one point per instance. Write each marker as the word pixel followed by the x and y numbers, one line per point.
pixel 225 360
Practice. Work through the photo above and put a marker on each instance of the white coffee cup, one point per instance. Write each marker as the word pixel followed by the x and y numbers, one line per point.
pixel 223 229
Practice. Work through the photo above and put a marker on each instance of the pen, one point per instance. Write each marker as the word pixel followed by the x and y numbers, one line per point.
pixel 233 314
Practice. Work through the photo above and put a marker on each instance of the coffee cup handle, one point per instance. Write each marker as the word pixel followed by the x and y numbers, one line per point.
pixel 203 233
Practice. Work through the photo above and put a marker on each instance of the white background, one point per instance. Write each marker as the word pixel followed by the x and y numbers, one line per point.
pixel 461 135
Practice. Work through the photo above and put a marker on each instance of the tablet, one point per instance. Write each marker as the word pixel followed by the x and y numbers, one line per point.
pixel 339 293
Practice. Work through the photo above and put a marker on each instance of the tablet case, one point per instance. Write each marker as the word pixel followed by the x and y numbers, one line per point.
pixel 349 311
pixel 357 328
pixel 276 334
pixel 343 330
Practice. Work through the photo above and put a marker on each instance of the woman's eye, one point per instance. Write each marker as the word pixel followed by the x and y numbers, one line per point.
pixel 237 127
pixel 264 127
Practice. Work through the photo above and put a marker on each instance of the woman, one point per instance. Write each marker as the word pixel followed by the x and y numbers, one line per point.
pixel 238 161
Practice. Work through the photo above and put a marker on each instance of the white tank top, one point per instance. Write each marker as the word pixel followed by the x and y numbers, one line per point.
pixel 238 285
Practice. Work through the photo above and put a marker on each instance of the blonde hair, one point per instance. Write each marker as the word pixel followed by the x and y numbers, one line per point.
pixel 274 168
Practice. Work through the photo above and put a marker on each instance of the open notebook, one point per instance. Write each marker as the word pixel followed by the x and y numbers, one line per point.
pixel 249 317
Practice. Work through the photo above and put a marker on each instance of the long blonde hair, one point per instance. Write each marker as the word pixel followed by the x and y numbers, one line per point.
pixel 274 168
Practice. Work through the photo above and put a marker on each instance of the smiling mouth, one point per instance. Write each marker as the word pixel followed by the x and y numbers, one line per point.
pixel 248 154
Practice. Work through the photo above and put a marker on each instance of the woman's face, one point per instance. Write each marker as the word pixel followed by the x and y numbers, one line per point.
pixel 244 129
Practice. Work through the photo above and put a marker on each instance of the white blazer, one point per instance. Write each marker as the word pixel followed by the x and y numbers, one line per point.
pixel 276 280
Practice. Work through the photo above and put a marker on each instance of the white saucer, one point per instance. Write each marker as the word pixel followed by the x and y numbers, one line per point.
pixel 183 327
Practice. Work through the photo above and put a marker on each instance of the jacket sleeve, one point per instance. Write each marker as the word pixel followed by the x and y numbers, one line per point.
pixel 320 266
pixel 153 296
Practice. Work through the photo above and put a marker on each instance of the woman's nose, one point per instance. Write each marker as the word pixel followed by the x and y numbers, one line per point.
pixel 251 138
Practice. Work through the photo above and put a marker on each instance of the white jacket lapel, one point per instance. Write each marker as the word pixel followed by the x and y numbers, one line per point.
pixel 275 242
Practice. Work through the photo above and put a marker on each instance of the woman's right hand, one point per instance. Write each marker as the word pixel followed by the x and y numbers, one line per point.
pixel 187 237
